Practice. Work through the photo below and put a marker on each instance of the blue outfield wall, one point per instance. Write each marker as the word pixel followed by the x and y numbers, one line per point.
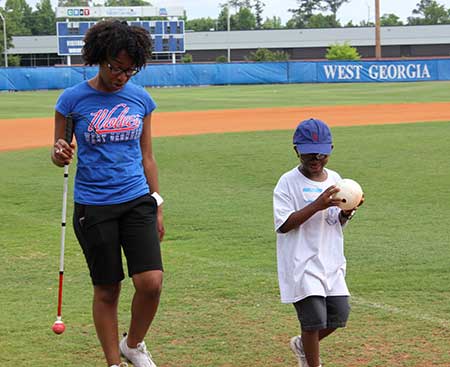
pixel 33 78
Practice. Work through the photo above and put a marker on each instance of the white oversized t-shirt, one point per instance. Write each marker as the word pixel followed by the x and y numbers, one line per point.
pixel 310 257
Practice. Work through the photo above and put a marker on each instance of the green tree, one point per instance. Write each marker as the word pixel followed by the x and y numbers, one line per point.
pixel 70 3
pixel 272 23
pixel 309 14
pixel 245 19
pixel 187 59
pixel 263 54
pixel 333 6
pixel 201 24
pixel 13 60
pixel 294 23
pixel 342 52
pixel 223 18
pixel 365 23
pixel 388 20
pixel 301 15
pixel 221 59
pixel 44 20
pixel 323 21
pixel 126 3
pixel 430 12
pixel 237 4
pixel 18 16
pixel 259 6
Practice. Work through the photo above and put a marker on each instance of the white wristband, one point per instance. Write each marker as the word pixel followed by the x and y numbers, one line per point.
pixel 158 198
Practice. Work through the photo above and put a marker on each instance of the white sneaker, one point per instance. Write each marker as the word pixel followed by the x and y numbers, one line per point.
pixel 122 364
pixel 139 356
pixel 297 348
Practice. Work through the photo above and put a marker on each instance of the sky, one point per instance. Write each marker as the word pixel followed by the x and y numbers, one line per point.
pixel 354 10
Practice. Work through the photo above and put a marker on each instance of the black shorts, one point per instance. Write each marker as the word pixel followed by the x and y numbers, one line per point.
pixel 317 313
pixel 102 230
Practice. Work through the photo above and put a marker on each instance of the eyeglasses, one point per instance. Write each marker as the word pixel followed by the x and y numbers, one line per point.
pixel 314 156
pixel 116 71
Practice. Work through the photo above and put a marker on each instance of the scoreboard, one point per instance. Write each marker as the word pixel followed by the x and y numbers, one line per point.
pixel 167 35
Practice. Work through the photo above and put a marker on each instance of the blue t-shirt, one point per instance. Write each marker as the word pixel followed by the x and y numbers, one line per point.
pixel 108 127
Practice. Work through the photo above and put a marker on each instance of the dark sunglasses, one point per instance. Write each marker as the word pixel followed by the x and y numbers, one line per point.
pixel 117 71
pixel 312 156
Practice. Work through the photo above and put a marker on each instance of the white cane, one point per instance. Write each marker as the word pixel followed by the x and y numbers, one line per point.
pixel 58 326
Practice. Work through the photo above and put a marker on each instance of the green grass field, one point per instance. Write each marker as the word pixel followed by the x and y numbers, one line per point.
pixel 220 305
pixel 41 103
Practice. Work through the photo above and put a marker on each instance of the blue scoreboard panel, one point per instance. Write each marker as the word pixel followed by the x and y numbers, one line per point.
pixel 167 35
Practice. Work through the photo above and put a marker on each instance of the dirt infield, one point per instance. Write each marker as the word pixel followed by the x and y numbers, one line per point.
pixel 31 133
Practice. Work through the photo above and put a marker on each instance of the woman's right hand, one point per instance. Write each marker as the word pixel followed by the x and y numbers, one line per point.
pixel 63 152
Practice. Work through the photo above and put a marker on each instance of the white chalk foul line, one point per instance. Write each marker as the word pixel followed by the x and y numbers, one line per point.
pixel 357 300
pixel 400 311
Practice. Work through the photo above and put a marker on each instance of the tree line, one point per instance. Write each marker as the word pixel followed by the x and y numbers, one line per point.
pixel 247 15
pixel 23 20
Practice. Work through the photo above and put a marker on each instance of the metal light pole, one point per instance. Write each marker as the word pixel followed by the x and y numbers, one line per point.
pixel 4 40
pixel 368 13
pixel 228 32
pixel 377 30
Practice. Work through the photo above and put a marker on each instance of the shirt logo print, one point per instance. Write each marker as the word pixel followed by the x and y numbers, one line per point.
pixel 113 125
pixel 116 120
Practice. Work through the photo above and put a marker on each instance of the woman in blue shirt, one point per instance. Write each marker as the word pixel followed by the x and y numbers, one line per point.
pixel 117 205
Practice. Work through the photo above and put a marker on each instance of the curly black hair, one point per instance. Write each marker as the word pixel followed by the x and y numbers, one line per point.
pixel 107 38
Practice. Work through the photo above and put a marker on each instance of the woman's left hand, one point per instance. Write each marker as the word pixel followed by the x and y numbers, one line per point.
pixel 160 224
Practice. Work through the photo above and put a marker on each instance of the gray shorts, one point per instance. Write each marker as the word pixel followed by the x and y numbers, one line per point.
pixel 317 313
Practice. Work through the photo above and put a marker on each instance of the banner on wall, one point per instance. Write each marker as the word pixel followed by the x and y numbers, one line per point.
pixel 32 78
pixel 389 71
